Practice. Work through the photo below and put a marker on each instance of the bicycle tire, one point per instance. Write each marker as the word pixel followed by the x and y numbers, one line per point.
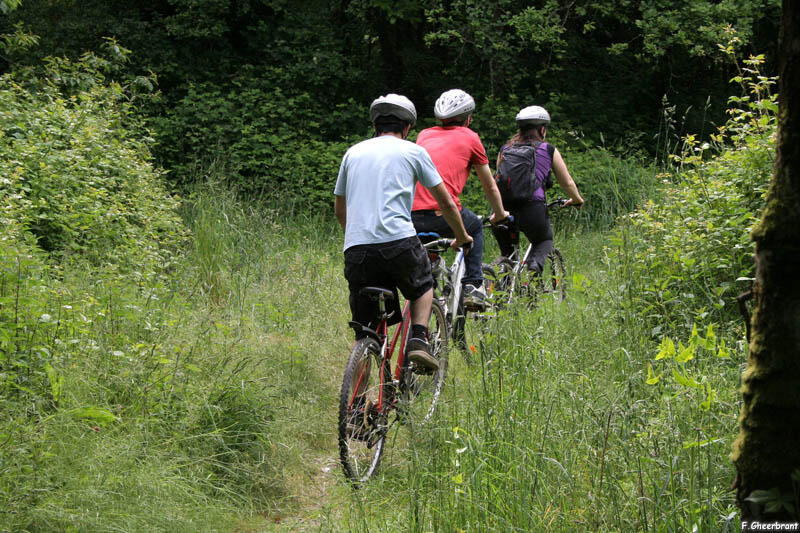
pixel 459 321
pixel 555 276
pixel 362 430
pixel 422 389
pixel 498 291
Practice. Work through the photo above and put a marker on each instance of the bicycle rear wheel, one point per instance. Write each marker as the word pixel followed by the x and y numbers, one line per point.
pixel 362 427
pixel 423 388
pixel 554 280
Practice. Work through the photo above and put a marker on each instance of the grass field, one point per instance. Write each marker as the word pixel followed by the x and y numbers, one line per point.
pixel 225 395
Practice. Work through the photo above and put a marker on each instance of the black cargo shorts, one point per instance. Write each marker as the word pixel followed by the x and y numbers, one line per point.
pixel 401 264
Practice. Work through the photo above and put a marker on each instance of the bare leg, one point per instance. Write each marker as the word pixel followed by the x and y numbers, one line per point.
pixel 421 309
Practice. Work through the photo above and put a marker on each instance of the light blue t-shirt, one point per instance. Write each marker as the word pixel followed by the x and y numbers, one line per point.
pixel 378 177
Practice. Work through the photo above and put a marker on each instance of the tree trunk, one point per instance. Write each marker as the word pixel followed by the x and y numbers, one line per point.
pixel 767 450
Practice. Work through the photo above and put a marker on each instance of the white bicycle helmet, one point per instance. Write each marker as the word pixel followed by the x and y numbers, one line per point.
pixel 393 105
pixel 533 115
pixel 453 103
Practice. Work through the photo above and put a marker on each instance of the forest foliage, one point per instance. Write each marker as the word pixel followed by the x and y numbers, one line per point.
pixel 275 90
pixel 690 248
pixel 134 350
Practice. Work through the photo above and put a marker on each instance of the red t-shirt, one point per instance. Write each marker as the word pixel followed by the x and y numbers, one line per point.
pixel 454 149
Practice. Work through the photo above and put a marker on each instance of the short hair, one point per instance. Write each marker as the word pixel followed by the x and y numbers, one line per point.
pixel 389 124
pixel 456 120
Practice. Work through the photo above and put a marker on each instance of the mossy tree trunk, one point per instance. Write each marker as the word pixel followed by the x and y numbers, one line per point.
pixel 767 450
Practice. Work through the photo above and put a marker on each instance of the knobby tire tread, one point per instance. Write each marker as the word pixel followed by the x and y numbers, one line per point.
pixel 369 348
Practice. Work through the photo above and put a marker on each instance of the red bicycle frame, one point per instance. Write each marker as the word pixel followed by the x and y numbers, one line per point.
pixel 400 335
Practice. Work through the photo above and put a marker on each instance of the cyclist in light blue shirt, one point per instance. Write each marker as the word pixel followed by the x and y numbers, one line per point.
pixel 373 196
pixel 378 177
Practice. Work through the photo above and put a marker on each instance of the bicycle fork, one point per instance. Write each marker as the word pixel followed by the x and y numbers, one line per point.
pixel 452 299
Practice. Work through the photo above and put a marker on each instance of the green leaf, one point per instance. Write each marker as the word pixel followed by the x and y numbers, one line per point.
pixel 701 443
pixel 686 353
pixel 652 379
pixel 723 352
pixel 667 349
pixel 56 382
pixel 686 381
pixel 96 415
pixel 764 496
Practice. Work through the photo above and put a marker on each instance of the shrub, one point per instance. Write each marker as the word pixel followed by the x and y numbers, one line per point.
pixel 692 246
pixel 261 138
pixel 79 194
pixel 76 177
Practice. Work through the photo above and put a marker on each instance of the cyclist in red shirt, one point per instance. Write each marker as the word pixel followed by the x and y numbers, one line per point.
pixel 455 150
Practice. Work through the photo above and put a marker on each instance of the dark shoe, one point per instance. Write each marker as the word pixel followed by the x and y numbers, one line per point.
pixel 534 267
pixel 474 297
pixel 418 352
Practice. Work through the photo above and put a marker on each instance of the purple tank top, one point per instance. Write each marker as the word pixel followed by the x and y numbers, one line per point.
pixel 544 163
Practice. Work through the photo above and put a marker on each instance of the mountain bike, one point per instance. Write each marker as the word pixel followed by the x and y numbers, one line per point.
pixel 374 396
pixel 510 278
pixel 448 289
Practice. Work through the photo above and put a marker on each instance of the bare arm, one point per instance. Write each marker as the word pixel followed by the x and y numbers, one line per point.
pixel 340 210
pixel 565 181
pixel 451 214
pixel 491 192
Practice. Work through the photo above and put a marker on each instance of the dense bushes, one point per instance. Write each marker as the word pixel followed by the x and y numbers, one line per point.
pixel 108 389
pixel 688 249
pixel 610 184
pixel 75 178
pixel 75 185
pixel 260 138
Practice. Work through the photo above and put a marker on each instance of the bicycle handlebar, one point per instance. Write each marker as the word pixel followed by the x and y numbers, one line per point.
pixel 558 202
pixel 442 245
pixel 501 224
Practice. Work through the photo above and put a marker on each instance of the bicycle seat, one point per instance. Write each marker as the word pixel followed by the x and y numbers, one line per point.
pixel 375 293
pixel 427 236
pixel 362 331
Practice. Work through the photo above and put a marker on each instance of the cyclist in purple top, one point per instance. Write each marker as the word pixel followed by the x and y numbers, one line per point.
pixel 531 215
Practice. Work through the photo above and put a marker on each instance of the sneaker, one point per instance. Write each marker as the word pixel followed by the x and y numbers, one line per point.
pixel 418 352
pixel 474 297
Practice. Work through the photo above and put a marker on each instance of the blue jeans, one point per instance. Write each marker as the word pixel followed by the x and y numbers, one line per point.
pixel 428 221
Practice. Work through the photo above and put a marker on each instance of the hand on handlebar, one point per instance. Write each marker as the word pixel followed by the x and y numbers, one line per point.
pixel 494 219
pixel 573 203
pixel 457 243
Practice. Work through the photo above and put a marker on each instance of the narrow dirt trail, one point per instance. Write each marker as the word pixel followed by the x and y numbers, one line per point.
pixel 320 495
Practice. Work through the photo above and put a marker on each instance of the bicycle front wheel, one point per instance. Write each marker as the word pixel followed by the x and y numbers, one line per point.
pixel 423 387
pixel 459 322
pixel 499 280
pixel 363 422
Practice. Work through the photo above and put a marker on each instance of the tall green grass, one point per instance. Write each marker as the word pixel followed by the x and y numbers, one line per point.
pixel 173 407
pixel 208 403
pixel 555 428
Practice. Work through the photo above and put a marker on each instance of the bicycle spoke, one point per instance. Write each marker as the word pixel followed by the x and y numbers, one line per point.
pixel 363 411
pixel 422 388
